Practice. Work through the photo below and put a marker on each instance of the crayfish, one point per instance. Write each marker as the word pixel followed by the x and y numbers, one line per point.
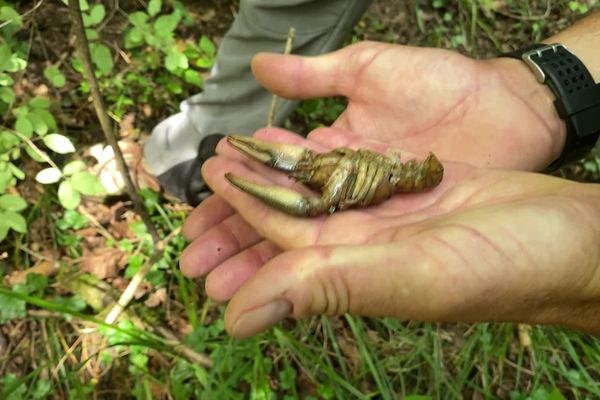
pixel 345 177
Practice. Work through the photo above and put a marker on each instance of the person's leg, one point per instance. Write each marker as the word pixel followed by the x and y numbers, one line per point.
pixel 232 101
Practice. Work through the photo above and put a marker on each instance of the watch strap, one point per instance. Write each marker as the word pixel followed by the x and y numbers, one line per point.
pixel 577 95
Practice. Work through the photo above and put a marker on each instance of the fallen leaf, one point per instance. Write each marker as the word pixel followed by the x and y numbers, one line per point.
pixel 157 298
pixel 103 262
pixel 42 267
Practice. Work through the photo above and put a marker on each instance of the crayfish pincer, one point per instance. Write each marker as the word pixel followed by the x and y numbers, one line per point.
pixel 344 177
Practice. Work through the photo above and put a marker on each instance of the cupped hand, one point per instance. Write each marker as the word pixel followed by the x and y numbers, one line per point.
pixel 485 245
pixel 488 113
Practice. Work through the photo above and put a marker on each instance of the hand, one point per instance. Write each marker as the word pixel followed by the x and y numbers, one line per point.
pixel 485 245
pixel 488 113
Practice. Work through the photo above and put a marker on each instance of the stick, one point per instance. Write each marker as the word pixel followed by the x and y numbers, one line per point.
pixel 288 50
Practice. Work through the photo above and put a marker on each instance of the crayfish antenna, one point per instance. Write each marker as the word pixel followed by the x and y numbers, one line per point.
pixel 283 199
pixel 284 157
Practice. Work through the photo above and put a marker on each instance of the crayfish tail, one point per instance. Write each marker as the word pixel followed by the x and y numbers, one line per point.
pixel 415 176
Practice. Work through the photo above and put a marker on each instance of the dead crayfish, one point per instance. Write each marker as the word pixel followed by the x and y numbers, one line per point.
pixel 344 177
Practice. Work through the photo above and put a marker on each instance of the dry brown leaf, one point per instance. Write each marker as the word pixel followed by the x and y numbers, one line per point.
pixel 157 298
pixel 102 262
pixel 42 267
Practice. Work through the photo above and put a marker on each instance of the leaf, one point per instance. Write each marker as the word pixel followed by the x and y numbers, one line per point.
pixel 154 7
pixel 68 197
pixel 56 78
pixel 7 95
pixel 48 175
pixel 176 59
pixel 134 37
pixel 138 18
pixel 15 63
pixel 11 202
pixel 39 125
pixel 207 46
pixel 166 24
pixel 5 54
pixel 102 58
pixel 14 220
pixel 3 233
pixel 193 77
pixel 24 126
pixel 73 167
pixel 5 79
pixel 91 34
pixel 9 13
pixel 87 183
pixel 39 103
pixel 95 16
pixel 58 143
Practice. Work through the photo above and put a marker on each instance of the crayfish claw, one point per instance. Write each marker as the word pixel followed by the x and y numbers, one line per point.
pixel 284 157
pixel 283 199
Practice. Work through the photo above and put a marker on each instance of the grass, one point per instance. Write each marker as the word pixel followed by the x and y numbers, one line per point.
pixel 54 344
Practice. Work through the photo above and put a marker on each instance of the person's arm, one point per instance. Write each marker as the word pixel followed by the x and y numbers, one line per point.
pixel 583 40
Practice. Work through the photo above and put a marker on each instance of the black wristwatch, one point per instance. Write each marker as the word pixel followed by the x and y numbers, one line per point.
pixel 577 96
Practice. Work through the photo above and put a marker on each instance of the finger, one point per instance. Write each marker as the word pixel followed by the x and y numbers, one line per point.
pixel 332 74
pixel 284 230
pixel 227 278
pixel 216 245
pixel 207 214
pixel 333 281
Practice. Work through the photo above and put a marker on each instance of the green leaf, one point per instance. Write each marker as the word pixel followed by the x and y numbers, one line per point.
pixel 166 24
pixel 138 19
pixel 58 143
pixel 193 77
pixel 91 34
pixel 15 63
pixel 207 46
pixel 48 175
pixel 68 197
pixel 154 7
pixel 11 202
pixel 5 79
pixel 6 177
pixel 14 220
pixel 11 308
pixel 134 37
pixel 87 184
pixel 39 125
pixel 16 171
pixel 8 13
pixel 35 156
pixel 24 126
pixel 7 95
pixel 3 233
pixel 176 59
pixel 39 103
pixel 95 16
pixel 102 58
pixel 47 117
pixel 56 78
pixel 5 54
pixel 73 167
pixel 205 62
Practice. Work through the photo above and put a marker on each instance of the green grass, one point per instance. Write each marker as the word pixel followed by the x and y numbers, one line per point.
pixel 58 347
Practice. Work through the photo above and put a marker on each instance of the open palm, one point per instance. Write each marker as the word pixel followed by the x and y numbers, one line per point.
pixel 489 113
pixel 478 247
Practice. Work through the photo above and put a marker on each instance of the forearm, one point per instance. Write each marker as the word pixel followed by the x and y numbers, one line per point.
pixel 583 39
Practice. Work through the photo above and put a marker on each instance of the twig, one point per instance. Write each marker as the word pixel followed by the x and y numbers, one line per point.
pixel 138 277
pixel 26 13
pixel 187 352
pixel 82 46
pixel 30 143
pixel 288 50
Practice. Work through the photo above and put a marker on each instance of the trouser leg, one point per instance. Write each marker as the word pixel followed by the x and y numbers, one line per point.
pixel 232 101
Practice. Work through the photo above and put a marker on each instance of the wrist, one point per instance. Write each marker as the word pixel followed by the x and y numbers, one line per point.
pixel 539 100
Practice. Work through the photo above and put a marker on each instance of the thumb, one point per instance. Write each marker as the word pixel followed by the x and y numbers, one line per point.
pixel 332 74
pixel 373 280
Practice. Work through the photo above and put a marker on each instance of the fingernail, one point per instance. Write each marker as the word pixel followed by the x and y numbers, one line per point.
pixel 257 320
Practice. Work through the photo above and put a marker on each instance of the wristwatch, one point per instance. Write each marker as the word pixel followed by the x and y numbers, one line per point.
pixel 577 96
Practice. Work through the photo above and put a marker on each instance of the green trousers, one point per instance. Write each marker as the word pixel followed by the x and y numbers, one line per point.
pixel 232 101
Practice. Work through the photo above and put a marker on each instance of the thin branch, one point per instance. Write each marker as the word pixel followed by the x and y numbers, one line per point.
pixel 36 149
pixel 288 50
pixel 83 49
